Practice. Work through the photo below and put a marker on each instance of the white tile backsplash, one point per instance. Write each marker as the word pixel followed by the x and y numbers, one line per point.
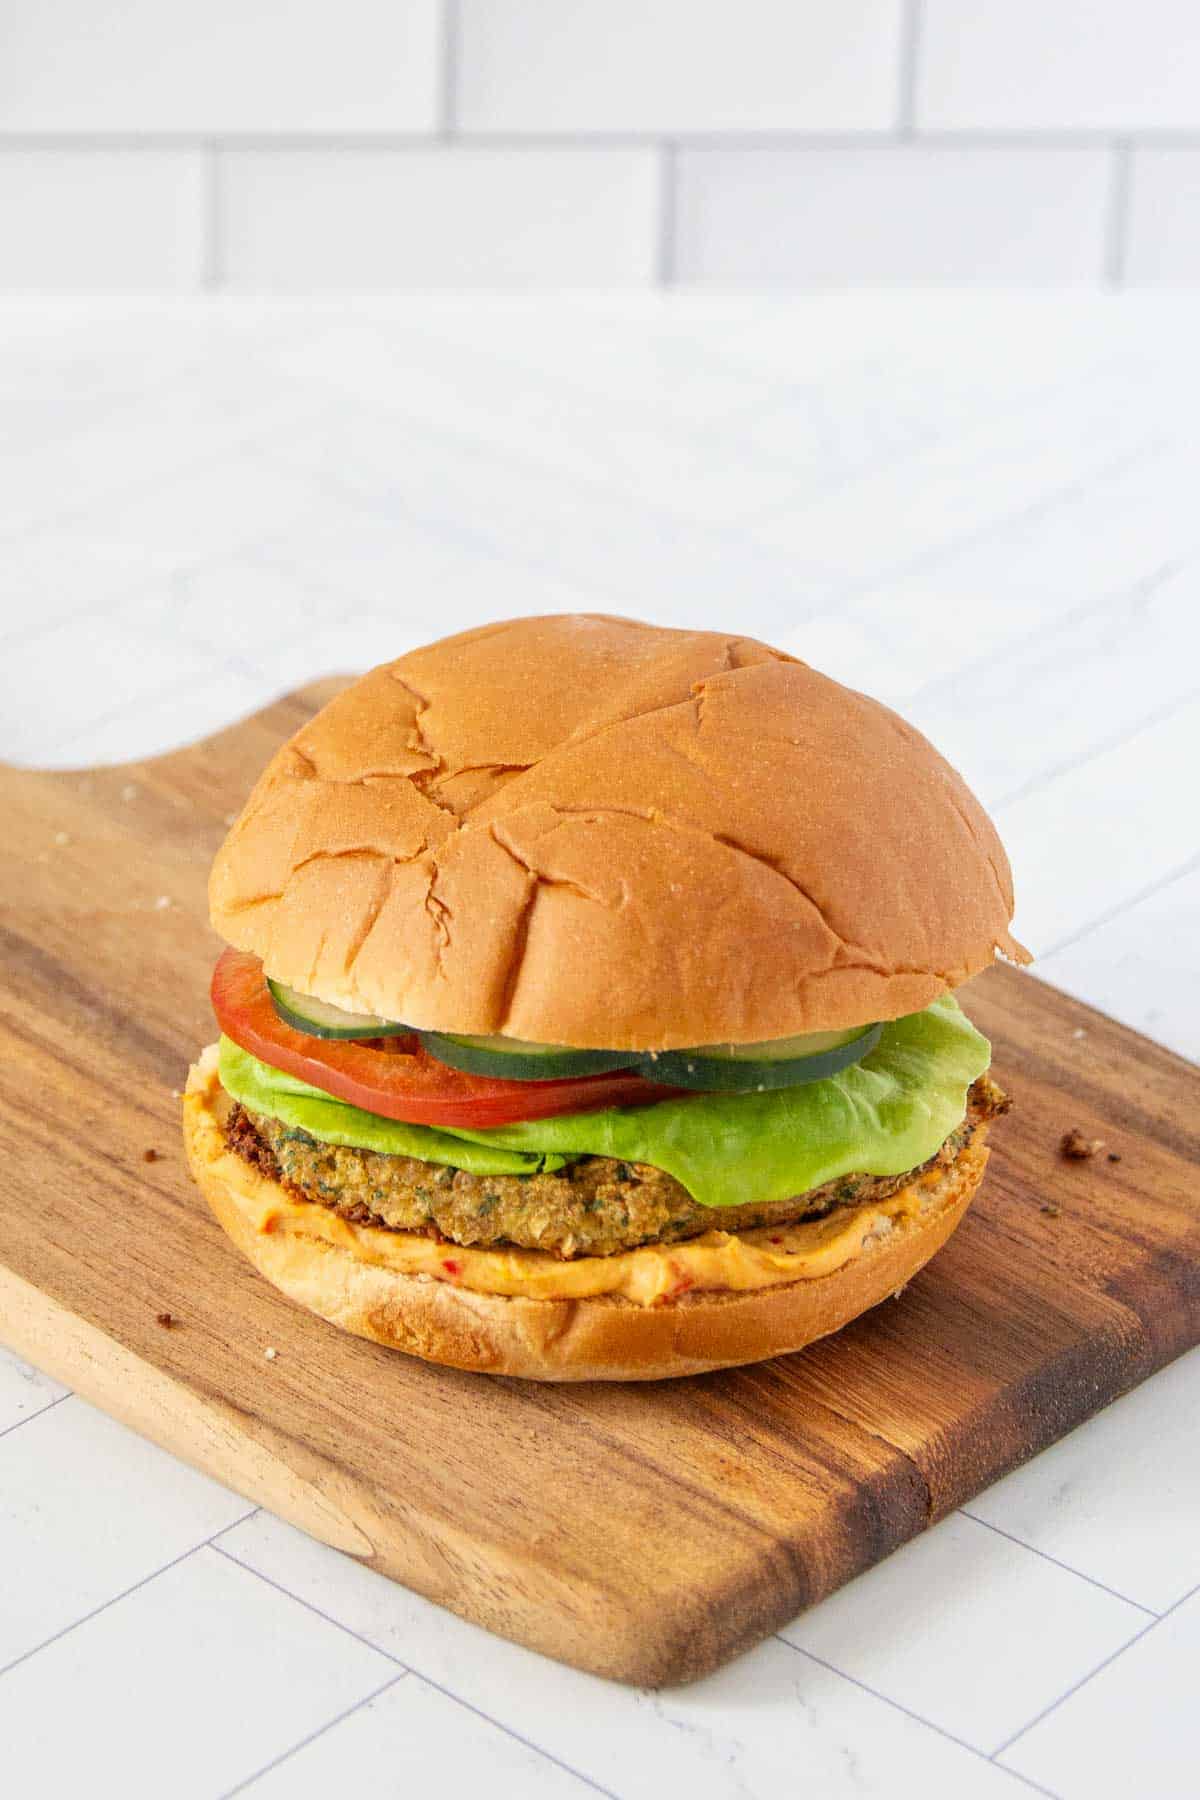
pixel 221 65
pixel 101 220
pixel 677 66
pixel 508 144
pixel 513 218
pixel 1164 218
pixel 1070 65
pixel 894 214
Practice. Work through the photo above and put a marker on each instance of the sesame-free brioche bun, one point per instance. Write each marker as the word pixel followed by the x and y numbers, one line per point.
pixel 583 830
pixel 346 1274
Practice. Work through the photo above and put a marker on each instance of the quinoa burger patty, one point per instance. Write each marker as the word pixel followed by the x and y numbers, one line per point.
pixel 593 1207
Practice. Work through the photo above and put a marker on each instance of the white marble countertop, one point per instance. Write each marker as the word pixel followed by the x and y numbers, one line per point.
pixel 983 510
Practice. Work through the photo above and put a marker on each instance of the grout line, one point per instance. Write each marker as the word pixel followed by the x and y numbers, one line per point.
pixel 1116 228
pixel 1130 596
pixel 403 1667
pixel 1045 778
pixel 212 274
pixel 114 1599
pixel 1058 1564
pixel 451 46
pixel 911 28
pixel 882 138
pixel 918 1718
pixel 215 1540
pixel 294 1750
pixel 40 1413
pixel 668 187
pixel 1092 1673
pixel 307 1604
pixel 1123 906
pixel 515 1735
pixel 1073 486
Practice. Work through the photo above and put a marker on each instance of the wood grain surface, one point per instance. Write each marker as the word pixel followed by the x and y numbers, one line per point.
pixel 647 1533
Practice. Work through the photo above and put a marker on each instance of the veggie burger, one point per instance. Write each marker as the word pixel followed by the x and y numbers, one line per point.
pixel 589 1011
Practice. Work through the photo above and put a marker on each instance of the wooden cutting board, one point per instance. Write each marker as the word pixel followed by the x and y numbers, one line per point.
pixel 644 1532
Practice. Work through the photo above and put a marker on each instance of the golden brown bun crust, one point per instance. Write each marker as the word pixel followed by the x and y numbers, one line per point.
pixel 601 1339
pixel 588 831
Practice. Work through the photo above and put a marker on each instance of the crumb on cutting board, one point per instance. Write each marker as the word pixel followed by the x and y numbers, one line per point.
pixel 1077 1148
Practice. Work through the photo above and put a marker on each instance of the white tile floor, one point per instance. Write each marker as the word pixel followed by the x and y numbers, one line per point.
pixel 88 1510
pixel 983 511
pixel 248 1674
pixel 1120 1733
pixel 1084 1505
pixel 415 1738
pixel 24 1391
pixel 975 1586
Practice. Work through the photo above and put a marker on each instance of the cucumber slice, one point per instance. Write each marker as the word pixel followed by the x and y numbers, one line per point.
pixel 512 1059
pixel 752 1068
pixel 319 1019
pixel 777 1050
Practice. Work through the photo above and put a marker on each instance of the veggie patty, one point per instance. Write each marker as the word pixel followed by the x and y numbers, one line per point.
pixel 593 1207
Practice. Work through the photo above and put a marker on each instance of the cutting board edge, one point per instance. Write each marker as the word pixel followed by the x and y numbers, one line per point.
pixel 107 1374
pixel 217 1440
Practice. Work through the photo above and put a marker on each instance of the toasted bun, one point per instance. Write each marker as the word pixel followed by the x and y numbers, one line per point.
pixel 593 1339
pixel 587 831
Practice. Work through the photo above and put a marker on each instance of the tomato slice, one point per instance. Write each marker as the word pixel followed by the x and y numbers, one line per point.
pixel 402 1081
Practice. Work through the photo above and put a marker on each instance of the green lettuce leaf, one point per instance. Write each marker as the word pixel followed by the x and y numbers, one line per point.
pixel 262 1089
pixel 885 1114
